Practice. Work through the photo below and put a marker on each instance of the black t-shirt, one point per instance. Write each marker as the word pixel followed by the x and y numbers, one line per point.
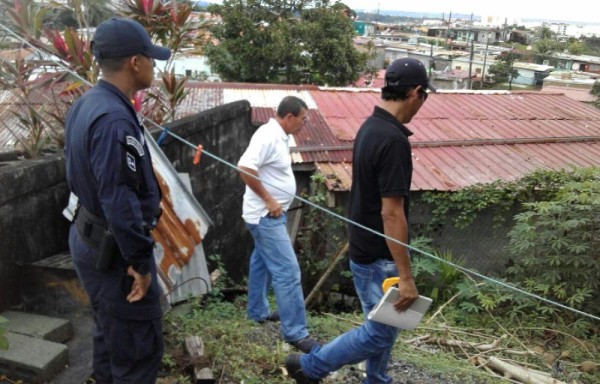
pixel 381 167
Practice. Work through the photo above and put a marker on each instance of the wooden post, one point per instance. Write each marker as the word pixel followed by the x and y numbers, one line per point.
pixel 326 274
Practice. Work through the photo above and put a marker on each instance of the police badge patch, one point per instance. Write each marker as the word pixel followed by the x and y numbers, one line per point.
pixel 132 142
pixel 131 162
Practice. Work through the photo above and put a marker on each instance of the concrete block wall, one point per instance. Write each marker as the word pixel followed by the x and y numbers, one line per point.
pixel 32 196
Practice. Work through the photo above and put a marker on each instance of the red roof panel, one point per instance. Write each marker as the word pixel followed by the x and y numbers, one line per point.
pixel 461 139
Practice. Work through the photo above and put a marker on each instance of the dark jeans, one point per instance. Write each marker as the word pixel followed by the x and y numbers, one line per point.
pixel 128 340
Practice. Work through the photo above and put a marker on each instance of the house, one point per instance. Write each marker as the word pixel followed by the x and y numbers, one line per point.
pixel 581 63
pixel 469 33
pixel 531 74
pixel 189 64
pixel 575 85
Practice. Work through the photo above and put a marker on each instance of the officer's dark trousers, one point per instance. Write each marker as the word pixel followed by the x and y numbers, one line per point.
pixel 128 342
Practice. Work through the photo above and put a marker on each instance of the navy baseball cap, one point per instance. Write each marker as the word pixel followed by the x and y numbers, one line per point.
pixel 407 72
pixel 116 38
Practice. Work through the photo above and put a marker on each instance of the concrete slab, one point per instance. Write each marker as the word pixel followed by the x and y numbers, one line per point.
pixel 32 360
pixel 39 326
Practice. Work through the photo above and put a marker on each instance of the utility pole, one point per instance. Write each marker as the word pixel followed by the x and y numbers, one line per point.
pixel 470 37
pixel 448 27
pixel 487 43
pixel 430 60
pixel 471 63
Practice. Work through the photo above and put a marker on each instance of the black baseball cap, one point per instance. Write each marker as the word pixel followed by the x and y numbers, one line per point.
pixel 407 72
pixel 116 38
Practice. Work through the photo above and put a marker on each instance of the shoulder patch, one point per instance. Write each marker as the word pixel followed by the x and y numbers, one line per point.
pixel 134 143
pixel 131 162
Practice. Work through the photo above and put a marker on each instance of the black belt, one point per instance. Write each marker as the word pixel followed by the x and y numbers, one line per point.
pixel 90 228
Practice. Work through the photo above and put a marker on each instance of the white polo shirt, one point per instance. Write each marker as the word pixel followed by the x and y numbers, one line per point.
pixel 269 154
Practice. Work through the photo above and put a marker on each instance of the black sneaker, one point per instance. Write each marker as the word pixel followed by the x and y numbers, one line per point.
pixel 305 345
pixel 292 364
pixel 273 316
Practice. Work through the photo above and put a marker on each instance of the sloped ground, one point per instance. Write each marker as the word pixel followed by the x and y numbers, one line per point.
pixel 241 351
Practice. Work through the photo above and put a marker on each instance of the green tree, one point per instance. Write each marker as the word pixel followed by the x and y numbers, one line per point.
pixel 277 41
pixel 545 47
pixel 502 70
pixel 545 33
pixel 576 48
pixel 334 59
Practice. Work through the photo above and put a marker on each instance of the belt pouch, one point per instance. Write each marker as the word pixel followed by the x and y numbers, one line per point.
pixel 108 250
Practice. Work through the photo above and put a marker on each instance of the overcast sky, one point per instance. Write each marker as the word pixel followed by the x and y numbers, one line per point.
pixel 585 10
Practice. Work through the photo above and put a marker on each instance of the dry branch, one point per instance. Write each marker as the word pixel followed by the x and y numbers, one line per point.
pixel 512 371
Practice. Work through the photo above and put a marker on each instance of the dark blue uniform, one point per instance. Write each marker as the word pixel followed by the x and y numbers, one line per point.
pixel 109 168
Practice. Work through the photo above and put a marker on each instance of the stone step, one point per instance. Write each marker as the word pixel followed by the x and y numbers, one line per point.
pixel 51 287
pixel 38 326
pixel 35 351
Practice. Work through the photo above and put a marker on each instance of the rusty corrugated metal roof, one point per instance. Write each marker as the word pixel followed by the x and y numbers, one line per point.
pixel 579 94
pixel 461 139
pixel 454 168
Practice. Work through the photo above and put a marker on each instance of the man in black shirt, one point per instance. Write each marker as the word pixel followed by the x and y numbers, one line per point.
pixel 379 200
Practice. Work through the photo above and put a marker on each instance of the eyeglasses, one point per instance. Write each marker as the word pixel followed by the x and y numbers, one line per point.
pixel 423 94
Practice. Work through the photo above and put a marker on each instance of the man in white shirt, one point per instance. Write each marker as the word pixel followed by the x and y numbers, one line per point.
pixel 266 168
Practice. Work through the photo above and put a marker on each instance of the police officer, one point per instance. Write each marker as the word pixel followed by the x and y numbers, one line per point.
pixel 110 170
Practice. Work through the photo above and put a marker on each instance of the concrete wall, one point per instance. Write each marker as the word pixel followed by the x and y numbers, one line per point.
pixel 480 246
pixel 32 196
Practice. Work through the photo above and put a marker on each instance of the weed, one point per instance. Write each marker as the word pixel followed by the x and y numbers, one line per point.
pixel 3 339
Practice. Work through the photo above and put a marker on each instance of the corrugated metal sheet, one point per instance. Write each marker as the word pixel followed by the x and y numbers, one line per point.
pixel 461 139
pixel 579 94
pixel 314 142
pixel 345 110
pixel 338 176
pixel 454 168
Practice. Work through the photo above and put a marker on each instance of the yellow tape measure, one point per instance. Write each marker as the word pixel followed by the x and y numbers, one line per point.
pixel 387 283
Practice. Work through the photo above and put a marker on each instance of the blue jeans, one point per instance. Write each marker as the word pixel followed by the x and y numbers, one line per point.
pixel 273 262
pixel 371 341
